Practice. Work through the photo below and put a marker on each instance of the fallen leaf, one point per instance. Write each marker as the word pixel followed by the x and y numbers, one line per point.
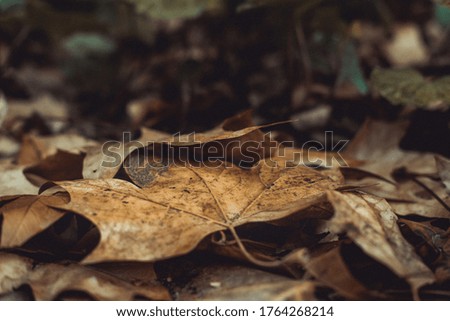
pixel 376 146
pixel 443 167
pixel 190 202
pixel 231 282
pixel 329 268
pixel 372 225
pixel 236 139
pixel 377 143
pixel 48 281
pixel 423 196
pixel 136 273
pixel 409 87
pixel 26 216
pixel 60 166
pixel 13 181
pixel 36 148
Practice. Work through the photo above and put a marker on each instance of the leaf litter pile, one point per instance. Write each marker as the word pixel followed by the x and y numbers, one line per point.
pixel 83 219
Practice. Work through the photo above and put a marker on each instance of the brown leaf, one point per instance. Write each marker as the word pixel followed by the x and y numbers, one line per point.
pixel 329 268
pixel 47 281
pixel 136 273
pixel 57 167
pixel 28 215
pixel 183 205
pixel 372 225
pixel 230 282
pixel 377 145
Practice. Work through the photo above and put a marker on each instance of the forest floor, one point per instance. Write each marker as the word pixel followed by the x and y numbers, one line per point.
pixel 252 152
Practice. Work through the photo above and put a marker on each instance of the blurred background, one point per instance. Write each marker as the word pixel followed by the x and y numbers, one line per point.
pixel 100 67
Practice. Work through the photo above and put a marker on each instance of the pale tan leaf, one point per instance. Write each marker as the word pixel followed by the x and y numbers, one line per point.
pixel 13 271
pixel 36 148
pixel 13 181
pixel 170 216
pixel 60 166
pixel 45 105
pixel 377 146
pixel 423 196
pixel 372 225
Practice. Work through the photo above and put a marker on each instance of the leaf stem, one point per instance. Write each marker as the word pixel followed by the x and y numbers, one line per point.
pixel 250 257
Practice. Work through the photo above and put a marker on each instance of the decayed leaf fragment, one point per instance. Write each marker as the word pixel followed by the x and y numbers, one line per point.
pixel 47 281
pixel 329 268
pixel 408 87
pixel 27 215
pixel 186 203
pixel 370 222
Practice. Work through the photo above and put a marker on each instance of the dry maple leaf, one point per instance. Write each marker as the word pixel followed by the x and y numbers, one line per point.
pixel 26 216
pixel 47 281
pixel 370 222
pixel 184 204
pixel 230 282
